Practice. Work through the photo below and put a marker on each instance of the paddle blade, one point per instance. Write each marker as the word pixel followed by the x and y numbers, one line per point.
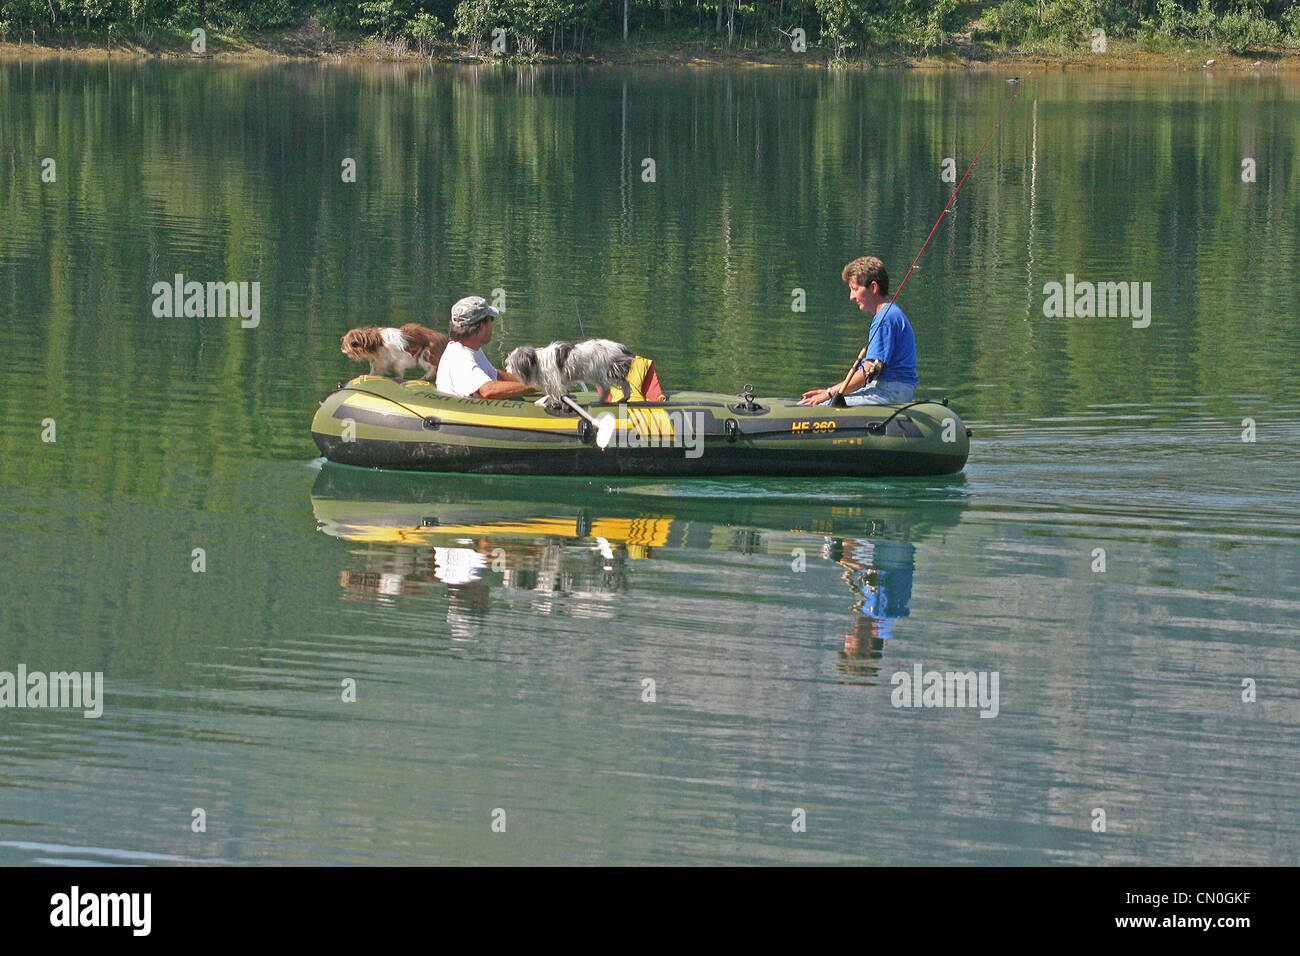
pixel 604 430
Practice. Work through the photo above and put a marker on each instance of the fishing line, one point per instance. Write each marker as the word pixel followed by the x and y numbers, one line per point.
pixel 418 414
pixel 1015 90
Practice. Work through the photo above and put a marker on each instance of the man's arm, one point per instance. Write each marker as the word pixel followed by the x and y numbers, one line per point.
pixel 857 378
pixel 506 386
pixel 871 369
pixel 861 374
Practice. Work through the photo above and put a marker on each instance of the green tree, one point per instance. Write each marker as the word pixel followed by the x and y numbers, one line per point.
pixel 384 18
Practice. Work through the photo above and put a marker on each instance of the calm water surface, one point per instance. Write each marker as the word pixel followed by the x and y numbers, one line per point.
pixel 500 631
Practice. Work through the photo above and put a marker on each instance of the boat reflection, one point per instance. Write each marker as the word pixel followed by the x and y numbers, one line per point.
pixel 574 544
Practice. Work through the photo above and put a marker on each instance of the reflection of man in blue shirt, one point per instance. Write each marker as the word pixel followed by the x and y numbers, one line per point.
pixel 882 572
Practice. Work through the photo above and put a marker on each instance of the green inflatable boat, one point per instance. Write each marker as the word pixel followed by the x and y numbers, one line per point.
pixel 380 423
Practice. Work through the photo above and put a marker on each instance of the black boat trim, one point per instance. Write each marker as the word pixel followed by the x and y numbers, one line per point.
pixel 587 460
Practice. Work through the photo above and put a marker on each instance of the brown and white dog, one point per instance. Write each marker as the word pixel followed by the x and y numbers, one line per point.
pixel 393 351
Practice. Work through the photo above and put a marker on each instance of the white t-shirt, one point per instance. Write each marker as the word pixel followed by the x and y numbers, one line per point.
pixel 463 371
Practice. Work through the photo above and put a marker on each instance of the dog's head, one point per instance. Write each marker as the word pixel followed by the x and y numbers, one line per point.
pixel 522 363
pixel 361 344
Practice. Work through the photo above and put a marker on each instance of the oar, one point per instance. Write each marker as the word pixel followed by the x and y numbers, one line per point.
pixel 604 427
pixel 863 354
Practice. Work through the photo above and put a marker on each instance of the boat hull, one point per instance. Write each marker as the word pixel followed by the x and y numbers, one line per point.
pixel 376 422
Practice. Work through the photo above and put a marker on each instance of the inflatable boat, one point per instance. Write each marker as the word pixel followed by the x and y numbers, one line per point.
pixel 377 422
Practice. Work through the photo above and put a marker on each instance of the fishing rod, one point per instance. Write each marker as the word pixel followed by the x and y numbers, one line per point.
pixel 838 398
pixel 581 330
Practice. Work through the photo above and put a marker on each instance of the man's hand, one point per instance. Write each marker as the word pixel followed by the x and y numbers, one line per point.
pixel 815 397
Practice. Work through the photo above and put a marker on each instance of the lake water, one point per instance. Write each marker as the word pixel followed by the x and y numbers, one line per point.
pixel 1121 551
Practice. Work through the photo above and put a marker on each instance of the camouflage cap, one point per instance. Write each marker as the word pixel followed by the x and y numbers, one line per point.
pixel 469 312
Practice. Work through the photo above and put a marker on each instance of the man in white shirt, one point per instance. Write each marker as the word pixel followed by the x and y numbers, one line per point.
pixel 464 370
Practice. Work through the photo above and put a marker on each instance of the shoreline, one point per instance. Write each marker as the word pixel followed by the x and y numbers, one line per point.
pixel 304 45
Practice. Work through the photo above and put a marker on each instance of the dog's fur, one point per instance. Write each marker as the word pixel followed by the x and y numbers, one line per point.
pixel 598 362
pixel 551 370
pixel 392 351
pixel 543 368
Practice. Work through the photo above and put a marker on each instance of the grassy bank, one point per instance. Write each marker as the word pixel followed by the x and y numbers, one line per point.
pixel 305 44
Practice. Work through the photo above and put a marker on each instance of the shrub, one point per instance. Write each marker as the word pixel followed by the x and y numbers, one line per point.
pixel 474 19
pixel 1244 29
pixel 25 15
pixel 253 16
pixel 1170 20
pixel 1064 22
pixel 1068 21
pixel 840 24
pixel 933 26
pixel 1199 24
pixel 384 18
pixel 425 29
pixel 1010 21
pixel 1291 20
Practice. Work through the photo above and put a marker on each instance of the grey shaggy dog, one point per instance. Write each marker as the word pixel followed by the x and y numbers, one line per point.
pixel 551 370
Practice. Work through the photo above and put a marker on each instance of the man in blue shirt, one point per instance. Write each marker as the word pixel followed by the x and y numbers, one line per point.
pixel 887 375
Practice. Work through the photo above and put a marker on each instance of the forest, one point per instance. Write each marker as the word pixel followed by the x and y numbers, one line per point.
pixel 836 30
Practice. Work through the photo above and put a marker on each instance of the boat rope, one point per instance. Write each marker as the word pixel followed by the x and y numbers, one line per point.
pixel 877 428
pixel 388 398
pixel 430 421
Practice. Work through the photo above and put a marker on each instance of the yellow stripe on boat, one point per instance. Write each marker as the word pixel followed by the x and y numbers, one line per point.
pixel 647 422
pixel 368 402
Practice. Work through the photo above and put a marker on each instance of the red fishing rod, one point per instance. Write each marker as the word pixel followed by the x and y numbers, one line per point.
pixel 839 396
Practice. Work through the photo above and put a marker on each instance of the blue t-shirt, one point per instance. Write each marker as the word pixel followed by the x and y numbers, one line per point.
pixel 893 342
